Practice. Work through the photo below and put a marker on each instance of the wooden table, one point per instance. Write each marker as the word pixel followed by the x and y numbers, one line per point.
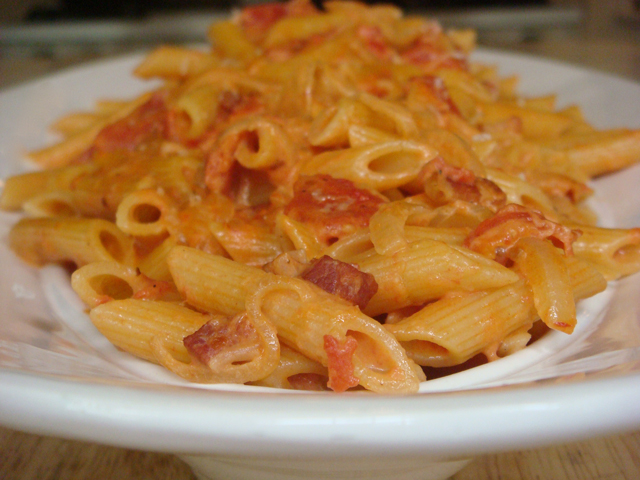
pixel 32 457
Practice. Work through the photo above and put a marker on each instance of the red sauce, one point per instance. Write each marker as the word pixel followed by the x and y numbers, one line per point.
pixel 331 207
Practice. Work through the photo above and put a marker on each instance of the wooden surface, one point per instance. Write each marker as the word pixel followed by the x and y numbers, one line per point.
pixel 32 457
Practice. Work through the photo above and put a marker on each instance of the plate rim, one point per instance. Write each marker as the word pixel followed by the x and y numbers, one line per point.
pixel 441 424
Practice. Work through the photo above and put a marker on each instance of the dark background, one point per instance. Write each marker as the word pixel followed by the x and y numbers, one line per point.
pixel 86 9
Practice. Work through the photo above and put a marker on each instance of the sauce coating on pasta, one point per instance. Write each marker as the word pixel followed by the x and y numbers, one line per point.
pixel 335 199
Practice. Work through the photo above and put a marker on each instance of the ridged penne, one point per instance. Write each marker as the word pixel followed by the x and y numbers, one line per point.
pixel 21 188
pixel 305 316
pixel 229 38
pixel 455 328
pixel 200 276
pixel 247 350
pixel 98 282
pixel 63 153
pixel 78 241
pixel 381 166
pixel 428 269
pixel 613 251
pixel 131 325
pixel 543 267
pixel 154 264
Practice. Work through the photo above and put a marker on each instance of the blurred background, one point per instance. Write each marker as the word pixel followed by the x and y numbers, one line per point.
pixel 41 36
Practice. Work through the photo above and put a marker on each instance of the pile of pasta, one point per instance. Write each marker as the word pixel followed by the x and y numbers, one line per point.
pixel 334 198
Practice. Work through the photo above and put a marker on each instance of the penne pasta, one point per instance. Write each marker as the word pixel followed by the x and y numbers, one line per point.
pixel 73 146
pixel 132 325
pixel 243 349
pixel 615 252
pixel 169 62
pixel 305 317
pixel 229 38
pixel 428 269
pixel 21 188
pixel 542 266
pixel 144 213
pixel 199 277
pixel 69 240
pixel 296 372
pixel 154 265
pixel 326 199
pixel 100 282
pixel 454 329
pixel 381 166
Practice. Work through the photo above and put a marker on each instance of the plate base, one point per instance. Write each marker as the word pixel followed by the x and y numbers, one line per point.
pixel 347 468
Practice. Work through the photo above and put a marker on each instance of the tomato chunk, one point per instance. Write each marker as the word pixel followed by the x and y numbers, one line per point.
pixel 143 124
pixel 375 41
pixel 444 183
pixel 493 237
pixel 428 49
pixel 331 207
pixel 256 20
pixel 340 363
pixel 436 91
pixel 155 290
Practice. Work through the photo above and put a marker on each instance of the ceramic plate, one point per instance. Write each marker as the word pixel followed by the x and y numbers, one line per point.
pixel 59 376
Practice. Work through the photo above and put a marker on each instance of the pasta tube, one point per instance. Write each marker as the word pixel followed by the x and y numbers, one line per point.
pixel 308 318
pixel 381 166
pixel 455 328
pixel 79 241
pixel 428 269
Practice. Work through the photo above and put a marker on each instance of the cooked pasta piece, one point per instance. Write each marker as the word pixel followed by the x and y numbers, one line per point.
pixel 132 325
pixel 455 328
pixel 547 274
pixel 75 123
pixel 296 372
pixel 381 166
pixel 73 146
pixel 100 282
pixel 239 349
pixel 169 62
pixel 144 213
pixel 154 265
pixel 19 189
pixel 428 269
pixel 211 282
pixel 613 251
pixel 594 153
pixel 354 347
pixel 70 240
pixel 231 41
pixel 459 326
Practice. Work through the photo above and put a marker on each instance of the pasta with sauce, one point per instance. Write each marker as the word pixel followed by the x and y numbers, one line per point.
pixel 325 199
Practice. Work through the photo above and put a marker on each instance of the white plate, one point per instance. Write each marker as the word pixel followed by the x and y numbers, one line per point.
pixel 58 376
